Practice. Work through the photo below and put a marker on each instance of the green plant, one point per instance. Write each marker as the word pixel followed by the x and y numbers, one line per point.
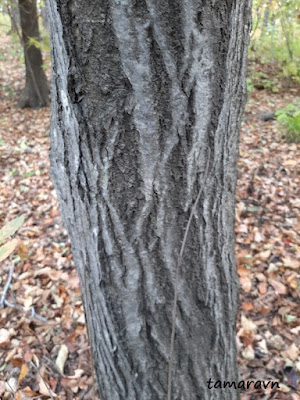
pixel 250 85
pixel 9 90
pixel 8 230
pixel 289 118
pixel 42 45
pixel 260 80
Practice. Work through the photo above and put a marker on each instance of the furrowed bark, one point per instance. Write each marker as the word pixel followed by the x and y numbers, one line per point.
pixel 141 91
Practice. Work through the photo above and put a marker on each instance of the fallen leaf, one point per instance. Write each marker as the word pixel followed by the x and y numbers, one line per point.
pixel 277 342
pixel 248 353
pixel 247 306
pixel 264 255
pixel 294 396
pixel 283 388
pixel 42 271
pixel 17 361
pixel 258 237
pixel 4 336
pixel 11 227
pixel 296 330
pixel 246 284
pixel 44 387
pixel 23 251
pixel 243 271
pixel 23 372
pixel 291 263
pixel 11 385
pixel 62 357
pixel 262 287
pixel 8 248
pixel 279 287
pixel 2 387
pixel 247 324
pixel 289 163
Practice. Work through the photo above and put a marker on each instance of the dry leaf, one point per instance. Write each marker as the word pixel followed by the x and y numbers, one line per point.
pixel 247 306
pixel 11 385
pixel 283 388
pixel 296 330
pixel 246 284
pixel 264 255
pixel 248 353
pixel 294 396
pixel 23 251
pixel 11 227
pixel 291 353
pixel 262 287
pixel 62 358
pixel 247 324
pixel 277 342
pixel 4 336
pixel 44 387
pixel 2 387
pixel 29 392
pixel 42 271
pixel 8 248
pixel 243 271
pixel 279 287
pixel 291 163
pixel 23 372
pixel 291 262
pixel 258 237
pixel 17 361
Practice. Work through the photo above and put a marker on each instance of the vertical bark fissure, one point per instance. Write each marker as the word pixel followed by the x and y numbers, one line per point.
pixel 136 104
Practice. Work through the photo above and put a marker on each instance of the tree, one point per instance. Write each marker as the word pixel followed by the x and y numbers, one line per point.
pixel 12 9
pixel 146 96
pixel 36 91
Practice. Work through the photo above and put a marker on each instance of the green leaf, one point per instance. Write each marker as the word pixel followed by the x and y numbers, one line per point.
pixel 290 318
pixel 8 248
pixel 29 174
pixel 253 209
pixel 11 227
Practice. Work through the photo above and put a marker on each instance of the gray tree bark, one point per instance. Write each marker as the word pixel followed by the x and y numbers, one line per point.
pixel 141 91
pixel 13 11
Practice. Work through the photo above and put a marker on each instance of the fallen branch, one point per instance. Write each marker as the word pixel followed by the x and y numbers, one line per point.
pixel 5 303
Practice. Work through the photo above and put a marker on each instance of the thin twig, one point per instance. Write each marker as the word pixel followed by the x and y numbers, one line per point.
pixel 47 387
pixel 33 314
pixel 6 287
pixel 5 303
pixel 174 313
pixel 52 365
pixel 12 390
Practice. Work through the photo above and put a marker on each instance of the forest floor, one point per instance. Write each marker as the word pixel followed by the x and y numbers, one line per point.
pixel 267 251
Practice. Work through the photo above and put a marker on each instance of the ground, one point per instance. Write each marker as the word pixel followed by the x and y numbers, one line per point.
pixel 34 353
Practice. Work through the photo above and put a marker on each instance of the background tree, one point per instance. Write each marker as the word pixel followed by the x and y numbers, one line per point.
pixel 12 9
pixel 146 96
pixel 36 91
pixel 275 37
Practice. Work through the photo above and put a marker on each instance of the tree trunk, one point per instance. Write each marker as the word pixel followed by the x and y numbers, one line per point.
pixel 141 91
pixel 14 14
pixel 266 19
pixel 36 91
pixel 43 13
